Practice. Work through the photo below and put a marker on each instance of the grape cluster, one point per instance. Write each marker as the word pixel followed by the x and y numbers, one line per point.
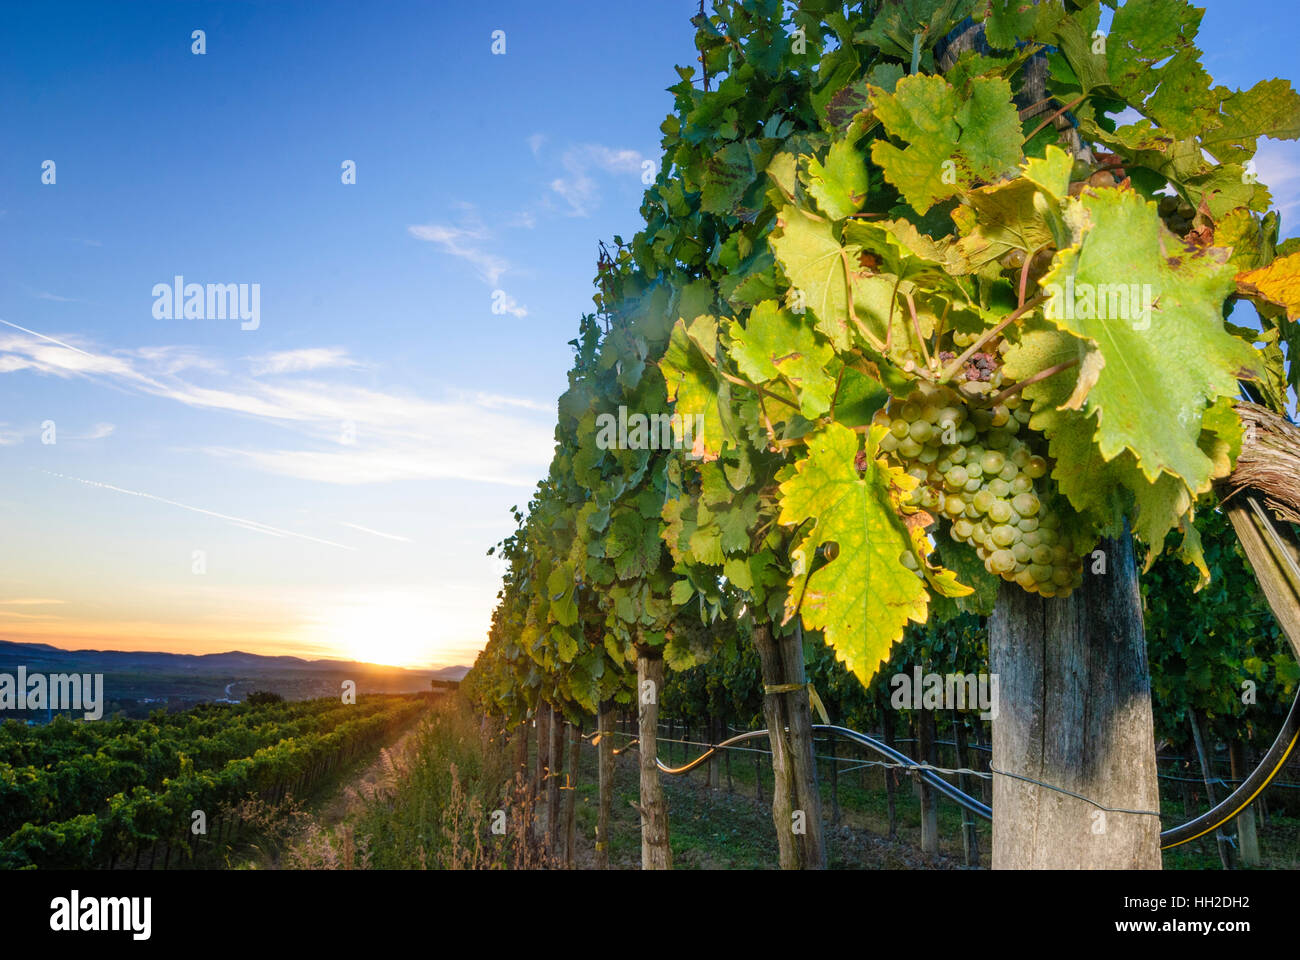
pixel 1177 214
pixel 975 467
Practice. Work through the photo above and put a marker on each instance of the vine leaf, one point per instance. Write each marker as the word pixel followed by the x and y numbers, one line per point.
pixel 839 187
pixel 952 142
pixel 864 597
pixel 633 545
pixel 774 343
pixel 1278 283
pixel 1147 305
pixel 813 261
pixel 564 608
pixel 1271 108
pixel 1103 490
pixel 694 385
pixel 731 171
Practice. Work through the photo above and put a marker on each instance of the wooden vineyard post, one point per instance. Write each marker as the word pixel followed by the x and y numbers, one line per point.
pixel 925 748
pixel 540 772
pixel 835 780
pixel 891 776
pixel 555 779
pixel 796 799
pixel 521 750
pixel 1074 711
pixel 713 736
pixel 605 773
pixel 655 851
pixel 969 836
pixel 1207 776
pixel 571 793
pixel 981 743
pixel 1247 835
pixel 731 787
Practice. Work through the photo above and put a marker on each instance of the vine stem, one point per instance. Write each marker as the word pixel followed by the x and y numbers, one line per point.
pixel 1069 106
pixel 916 326
pixel 1040 375
pixel 1029 111
pixel 951 370
pixel 730 378
pixel 853 312
pixel 1024 272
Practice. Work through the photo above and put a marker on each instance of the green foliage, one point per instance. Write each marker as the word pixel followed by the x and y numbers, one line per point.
pixel 74 795
pixel 1218 651
pixel 839 221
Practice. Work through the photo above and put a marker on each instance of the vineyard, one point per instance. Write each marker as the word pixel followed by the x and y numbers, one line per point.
pixel 106 794
pixel 924 494
pixel 956 341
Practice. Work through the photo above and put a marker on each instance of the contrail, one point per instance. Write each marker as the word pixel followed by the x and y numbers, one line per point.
pixel 377 533
pixel 239 521
pixel 50 339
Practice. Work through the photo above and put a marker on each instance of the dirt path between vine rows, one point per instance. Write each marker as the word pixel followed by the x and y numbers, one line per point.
pixel 377 775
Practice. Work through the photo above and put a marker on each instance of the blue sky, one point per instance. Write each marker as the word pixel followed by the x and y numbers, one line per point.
pixel 475 173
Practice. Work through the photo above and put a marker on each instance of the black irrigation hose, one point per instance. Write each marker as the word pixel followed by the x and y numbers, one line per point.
pixel 1239 799
pixel 933 779
pixel 1263 774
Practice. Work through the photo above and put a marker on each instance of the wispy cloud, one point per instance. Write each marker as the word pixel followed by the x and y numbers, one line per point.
pixel 253 525
pixel 45 295
pixel 465 242
pixel 347 434
pixel 494 401
pixel 98 432
pixel 174 358
pixel 504 303
pixel 30 602
pixel 298 361
pixel 40 617
pixel 535 143
pixel 578 187
pixel 1278 165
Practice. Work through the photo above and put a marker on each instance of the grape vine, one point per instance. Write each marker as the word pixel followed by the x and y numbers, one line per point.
pixel 946 316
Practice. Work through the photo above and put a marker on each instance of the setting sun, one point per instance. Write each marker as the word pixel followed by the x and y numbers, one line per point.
pixel 390 629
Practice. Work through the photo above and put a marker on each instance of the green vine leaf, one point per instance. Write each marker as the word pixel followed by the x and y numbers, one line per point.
pixel 952 142
pixel 775 343
pixel 1147 303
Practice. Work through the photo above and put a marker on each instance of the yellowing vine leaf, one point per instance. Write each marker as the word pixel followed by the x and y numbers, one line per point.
pixel 813 260
pixel 863 598
pixel 840 187
pixel 1277 283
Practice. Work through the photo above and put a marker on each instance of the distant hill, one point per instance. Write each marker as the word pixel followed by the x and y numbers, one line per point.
pixel 152 678
pixel 451 673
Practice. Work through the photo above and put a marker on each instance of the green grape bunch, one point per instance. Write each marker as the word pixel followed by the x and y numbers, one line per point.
pixel 977 467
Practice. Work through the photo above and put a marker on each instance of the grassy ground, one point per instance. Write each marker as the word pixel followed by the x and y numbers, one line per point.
pixel 432 817
pixel 1279 841
pixel 432 799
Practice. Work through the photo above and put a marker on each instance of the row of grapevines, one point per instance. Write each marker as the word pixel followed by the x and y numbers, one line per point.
pixel 943 285
pixel 117 820
pixel 55 771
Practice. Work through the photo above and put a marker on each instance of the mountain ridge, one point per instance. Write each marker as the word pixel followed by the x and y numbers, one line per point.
pixel 227 660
